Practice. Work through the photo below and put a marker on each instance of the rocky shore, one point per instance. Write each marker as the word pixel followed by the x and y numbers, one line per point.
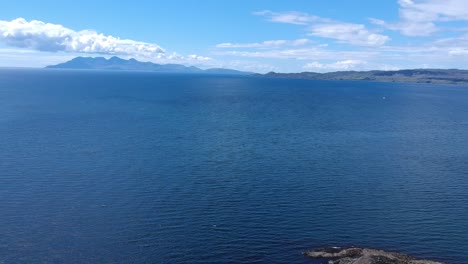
pixel 355 255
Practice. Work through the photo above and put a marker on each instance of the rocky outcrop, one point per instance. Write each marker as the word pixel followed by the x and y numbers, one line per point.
pixel 355 255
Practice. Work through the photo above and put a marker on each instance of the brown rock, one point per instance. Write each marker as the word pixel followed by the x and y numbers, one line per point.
pixel 355 255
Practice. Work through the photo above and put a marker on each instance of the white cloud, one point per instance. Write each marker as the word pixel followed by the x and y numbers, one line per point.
pixel 443 10
pixel 198 58
pixel 408 27
pixel 438 48
pixel 247 65
pixel 354 34
pixel 458 52
pixel 348 65
pixel 309 53
pixel 336 66
pixel 42 36
pixel 296 18
pixel 265 44
pixel 418 18
pixel 455 46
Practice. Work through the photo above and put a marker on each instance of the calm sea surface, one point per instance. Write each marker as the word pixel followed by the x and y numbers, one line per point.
pixel 112 167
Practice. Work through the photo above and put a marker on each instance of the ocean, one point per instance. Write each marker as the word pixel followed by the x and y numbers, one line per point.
pixel 125 167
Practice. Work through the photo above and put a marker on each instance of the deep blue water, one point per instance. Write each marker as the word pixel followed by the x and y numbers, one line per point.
pixel 112 167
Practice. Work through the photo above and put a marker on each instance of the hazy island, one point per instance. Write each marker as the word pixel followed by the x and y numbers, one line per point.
pixel 355 255
pixel 437 76
pixel 116 63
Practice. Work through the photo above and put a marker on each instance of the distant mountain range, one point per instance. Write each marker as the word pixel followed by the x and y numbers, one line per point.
pixel 116 63
pixel 440 76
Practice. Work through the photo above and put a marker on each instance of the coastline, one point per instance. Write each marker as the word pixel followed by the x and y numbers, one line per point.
pixel 425 76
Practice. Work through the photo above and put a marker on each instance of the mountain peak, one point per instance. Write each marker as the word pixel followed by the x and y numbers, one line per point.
pixel 115 58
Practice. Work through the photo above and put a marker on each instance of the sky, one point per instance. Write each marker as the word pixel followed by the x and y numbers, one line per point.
pixel 250 35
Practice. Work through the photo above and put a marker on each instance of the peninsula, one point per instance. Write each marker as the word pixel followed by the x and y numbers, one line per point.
pixel 437 76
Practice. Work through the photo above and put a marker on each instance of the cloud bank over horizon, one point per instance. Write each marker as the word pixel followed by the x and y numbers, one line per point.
pixel 426 34
pixel 37 35
pixel 41 36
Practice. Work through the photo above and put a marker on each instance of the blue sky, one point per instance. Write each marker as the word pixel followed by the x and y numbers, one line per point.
pixel 260 36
